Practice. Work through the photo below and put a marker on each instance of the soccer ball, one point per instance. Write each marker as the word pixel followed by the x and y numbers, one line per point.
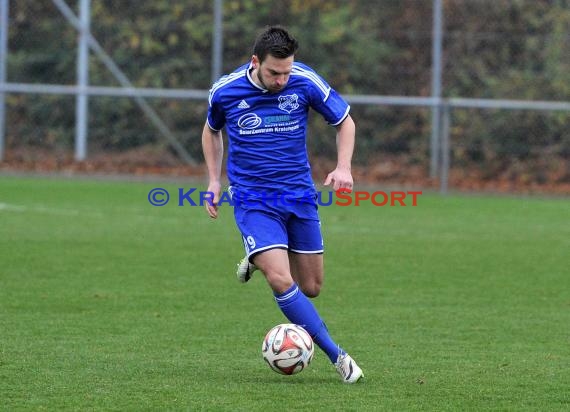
pixel 287 349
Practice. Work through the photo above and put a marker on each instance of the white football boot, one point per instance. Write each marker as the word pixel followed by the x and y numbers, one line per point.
pixel 245 269
pixel 348 369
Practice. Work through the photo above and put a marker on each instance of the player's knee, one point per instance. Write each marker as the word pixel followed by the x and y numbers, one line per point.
pixel 311 289
pixel 278 282
pixel 312 292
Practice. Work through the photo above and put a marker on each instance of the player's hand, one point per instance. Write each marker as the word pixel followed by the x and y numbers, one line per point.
pixel 340 178
pixel 212 208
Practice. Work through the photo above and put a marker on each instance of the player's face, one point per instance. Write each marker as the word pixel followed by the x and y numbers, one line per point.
pixel 273 73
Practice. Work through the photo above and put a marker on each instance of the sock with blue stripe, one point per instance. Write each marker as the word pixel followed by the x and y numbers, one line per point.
pixel 301 311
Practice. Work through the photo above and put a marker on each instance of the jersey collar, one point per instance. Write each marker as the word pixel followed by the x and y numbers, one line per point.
pixel 253 83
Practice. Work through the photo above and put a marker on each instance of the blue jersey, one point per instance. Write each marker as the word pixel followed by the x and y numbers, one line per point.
pixel 267 131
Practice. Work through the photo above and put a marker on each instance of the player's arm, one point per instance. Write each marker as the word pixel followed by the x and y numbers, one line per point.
pixel 341 177
pixel 213 148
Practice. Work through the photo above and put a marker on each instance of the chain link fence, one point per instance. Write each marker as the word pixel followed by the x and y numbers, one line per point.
pixel 506 49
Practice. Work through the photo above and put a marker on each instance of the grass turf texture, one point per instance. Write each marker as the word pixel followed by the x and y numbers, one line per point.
pixel 109 303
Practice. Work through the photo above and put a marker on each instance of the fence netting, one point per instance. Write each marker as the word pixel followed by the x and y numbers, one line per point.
pixel 503 49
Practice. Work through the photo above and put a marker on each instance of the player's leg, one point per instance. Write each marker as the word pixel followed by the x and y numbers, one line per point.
pixel 307 267
pixel 306 262
pixel 274 264
pixel 307 271
pixel 266 238
pixel 306 248
pixel 299 309
pixel 294 304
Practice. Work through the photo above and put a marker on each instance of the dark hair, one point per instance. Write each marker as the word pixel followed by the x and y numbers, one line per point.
pixel 275 41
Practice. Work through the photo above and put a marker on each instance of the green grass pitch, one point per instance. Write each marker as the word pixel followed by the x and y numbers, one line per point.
pixel 108 303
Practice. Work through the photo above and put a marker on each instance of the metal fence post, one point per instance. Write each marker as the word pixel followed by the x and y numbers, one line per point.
pixel 436 85
pixel 81 108
pixel 3 63
pixel 445 148
pixel 217 40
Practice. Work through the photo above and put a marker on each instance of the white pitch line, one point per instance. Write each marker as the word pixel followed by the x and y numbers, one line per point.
pixel 12 208
pixel 40 209
pixel 161 217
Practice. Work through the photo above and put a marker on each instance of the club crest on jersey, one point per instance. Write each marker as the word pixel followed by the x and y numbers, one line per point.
pixel 288 103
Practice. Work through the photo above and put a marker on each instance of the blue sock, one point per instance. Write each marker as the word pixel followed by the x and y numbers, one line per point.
pixel 301 311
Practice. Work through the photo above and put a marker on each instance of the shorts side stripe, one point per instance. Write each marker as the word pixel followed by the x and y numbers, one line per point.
pixel 256 251
pixel 307 252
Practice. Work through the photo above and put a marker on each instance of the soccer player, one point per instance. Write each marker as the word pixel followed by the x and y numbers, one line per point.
pixel 264 106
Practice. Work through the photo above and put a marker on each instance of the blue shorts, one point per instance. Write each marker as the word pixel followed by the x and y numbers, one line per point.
pixel 266 225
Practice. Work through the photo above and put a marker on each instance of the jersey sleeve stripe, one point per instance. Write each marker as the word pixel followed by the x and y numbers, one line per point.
pixel 342 118
pixel 210 126
pixel 224 81
pixel 325 89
